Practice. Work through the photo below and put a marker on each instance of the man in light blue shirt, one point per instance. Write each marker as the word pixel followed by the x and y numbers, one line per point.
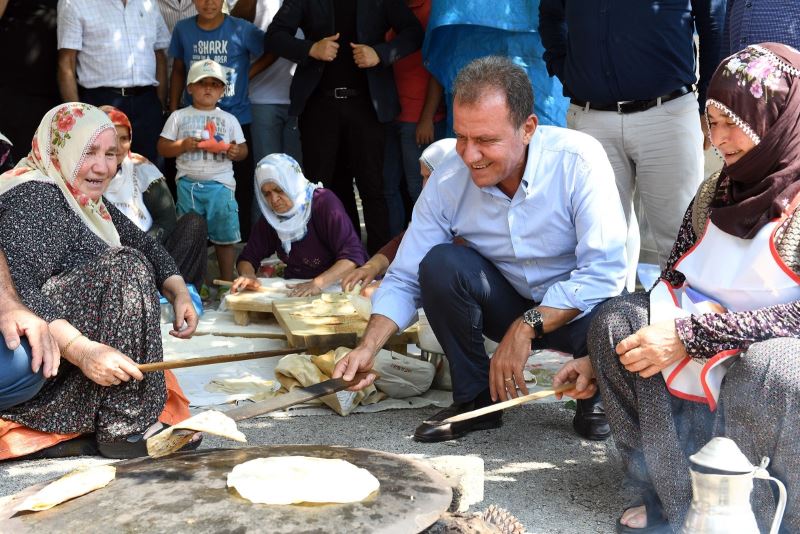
pixel 544 242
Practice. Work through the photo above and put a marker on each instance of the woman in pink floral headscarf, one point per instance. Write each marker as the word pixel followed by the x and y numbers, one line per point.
pixel 713 348
pixel 86 269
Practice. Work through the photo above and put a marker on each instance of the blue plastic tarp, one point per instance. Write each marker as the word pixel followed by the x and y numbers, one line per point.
pixel 462 30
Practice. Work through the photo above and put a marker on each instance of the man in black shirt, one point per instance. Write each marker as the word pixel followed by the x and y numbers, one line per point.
pixel 628 67
pixel 343 90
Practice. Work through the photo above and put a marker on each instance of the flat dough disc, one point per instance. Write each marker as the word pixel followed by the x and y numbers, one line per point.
pixel 71 485
pixel 298 479
pixel 337 305
pixel 211 422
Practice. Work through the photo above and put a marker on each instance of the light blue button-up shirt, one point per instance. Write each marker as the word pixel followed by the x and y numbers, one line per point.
pixel 559 241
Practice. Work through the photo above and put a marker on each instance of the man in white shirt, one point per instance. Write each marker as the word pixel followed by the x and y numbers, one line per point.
pixel 113 52
pixel 544 236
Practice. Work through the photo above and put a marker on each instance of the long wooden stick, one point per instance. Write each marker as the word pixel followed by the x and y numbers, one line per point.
pixel 509 403
pixel 225 283
pixel 193 362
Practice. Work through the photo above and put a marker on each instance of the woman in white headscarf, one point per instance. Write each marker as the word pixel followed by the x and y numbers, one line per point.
pixel 379 263
pixel 305 224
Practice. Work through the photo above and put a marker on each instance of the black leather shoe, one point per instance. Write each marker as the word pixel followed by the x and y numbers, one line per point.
pixel 590 419
pixel 432 429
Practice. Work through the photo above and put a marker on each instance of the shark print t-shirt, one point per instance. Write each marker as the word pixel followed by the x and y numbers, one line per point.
pixel 234 44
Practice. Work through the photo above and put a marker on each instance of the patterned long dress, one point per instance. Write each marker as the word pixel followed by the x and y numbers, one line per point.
pixel 62 270
pixel 759 404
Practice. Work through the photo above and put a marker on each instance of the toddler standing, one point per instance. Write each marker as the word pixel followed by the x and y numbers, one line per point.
pixel 205 140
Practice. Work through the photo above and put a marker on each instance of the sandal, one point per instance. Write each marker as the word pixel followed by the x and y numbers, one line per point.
pixel 656 521
pixel 135 445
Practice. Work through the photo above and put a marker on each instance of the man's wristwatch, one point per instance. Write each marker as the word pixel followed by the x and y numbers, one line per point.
pixel 533 318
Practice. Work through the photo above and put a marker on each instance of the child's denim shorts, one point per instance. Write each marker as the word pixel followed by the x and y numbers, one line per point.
pixel 214 202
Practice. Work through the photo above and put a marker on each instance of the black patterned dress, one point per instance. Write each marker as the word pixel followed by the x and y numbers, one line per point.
pixel 759 404
pixel 62 270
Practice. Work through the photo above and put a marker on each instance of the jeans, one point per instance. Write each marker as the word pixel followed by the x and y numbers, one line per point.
pixel 17 382
pixel 401 160
pixel 466 297
pixel 273 131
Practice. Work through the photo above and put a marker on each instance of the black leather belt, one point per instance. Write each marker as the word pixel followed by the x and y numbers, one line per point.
pixel 633 106
pixel 342 92
pixel 126 91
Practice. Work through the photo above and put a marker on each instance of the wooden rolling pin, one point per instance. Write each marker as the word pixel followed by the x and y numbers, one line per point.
pixel 509 403
pixel 193 362
pixel 285 290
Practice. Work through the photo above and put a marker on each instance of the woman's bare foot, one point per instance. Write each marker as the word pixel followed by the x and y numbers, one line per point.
pixel 635 517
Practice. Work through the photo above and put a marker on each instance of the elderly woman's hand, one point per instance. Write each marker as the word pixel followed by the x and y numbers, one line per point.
pixel 174 288
pixel 245 281
pixel 185 314
pixel 305 289
pixel 651 349
pixel 579 371
pixel 362 275
pixel 104 365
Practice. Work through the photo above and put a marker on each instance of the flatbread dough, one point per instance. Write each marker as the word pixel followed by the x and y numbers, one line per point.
pixel 299 479
pixel 71 485
pixel 362 305
pixel 211 422
pixel 328 305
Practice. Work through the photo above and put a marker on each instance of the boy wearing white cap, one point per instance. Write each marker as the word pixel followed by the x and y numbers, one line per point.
pixel 205 140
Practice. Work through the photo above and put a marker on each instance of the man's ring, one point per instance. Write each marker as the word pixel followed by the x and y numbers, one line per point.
pixel 509 379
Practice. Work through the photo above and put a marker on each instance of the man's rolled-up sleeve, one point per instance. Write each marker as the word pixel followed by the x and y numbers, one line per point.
pixel 398 296
pixel 601 233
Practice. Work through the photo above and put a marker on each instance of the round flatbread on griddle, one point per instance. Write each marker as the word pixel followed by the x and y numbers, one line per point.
pixel 301 479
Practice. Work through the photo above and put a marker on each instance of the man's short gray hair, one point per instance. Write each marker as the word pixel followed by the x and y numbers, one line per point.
pixel 496 73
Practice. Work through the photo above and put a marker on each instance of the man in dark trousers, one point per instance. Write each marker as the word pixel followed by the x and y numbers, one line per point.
pixel 343 90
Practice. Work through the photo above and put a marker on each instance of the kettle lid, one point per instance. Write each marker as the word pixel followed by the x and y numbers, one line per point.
pixel 724 455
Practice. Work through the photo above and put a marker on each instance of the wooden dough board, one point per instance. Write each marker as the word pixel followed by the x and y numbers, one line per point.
pixel 247 304
pixel 328 332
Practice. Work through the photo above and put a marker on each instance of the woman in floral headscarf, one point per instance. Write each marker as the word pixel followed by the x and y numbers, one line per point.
pixel 727 306
pixel 91 273
pixel 140 192
pixel 305 224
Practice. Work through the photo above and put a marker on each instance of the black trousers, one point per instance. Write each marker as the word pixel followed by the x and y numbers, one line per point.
pixel 143 110
pixel 244 174
pixel 466 297
pixel 342 139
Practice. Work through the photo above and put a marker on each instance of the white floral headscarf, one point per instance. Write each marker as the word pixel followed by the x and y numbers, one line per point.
pixel 57 153
pixel 286 174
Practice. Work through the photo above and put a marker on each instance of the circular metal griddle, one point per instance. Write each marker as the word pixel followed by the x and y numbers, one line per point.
pixel 187 492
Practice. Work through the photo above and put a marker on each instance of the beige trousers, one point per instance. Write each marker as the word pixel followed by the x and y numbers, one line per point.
pixel 656 153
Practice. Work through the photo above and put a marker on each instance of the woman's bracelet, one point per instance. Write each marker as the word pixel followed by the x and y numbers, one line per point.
pixel 70 342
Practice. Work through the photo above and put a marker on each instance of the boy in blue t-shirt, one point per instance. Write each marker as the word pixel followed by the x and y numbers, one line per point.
pixel 232 42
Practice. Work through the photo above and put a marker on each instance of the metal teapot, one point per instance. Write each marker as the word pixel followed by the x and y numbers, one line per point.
pixel 722 479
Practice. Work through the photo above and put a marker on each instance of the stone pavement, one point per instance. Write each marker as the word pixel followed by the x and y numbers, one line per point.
pixel 535 466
